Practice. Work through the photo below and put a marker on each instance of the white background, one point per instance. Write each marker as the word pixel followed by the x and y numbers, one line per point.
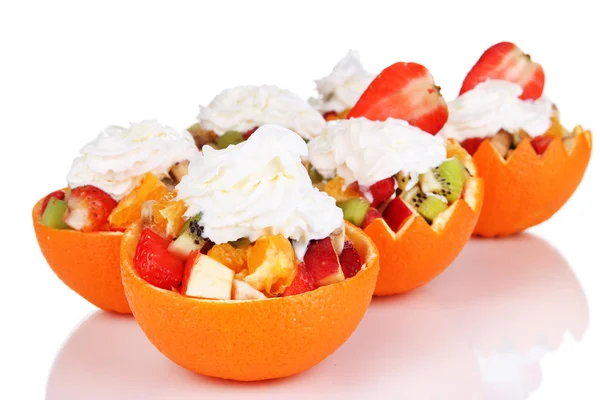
pixel 70 68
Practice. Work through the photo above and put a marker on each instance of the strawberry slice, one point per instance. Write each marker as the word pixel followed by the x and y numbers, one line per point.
pixel 541 143
pixel 155 263
pixel 372 214
pixel 506 61
pixel 59 194
pixel 88 209
pixel 404 91
pixel 303 282
pixel 246 135
pixel 382 190
pixel 350 260
pixel 471 145
pixel 396 213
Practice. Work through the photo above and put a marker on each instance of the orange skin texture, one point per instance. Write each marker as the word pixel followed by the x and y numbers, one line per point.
pixel 88 263
pixel 253 339
pixel 527 189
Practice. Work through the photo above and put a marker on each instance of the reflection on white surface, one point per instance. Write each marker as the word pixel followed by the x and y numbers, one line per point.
pixel 476 332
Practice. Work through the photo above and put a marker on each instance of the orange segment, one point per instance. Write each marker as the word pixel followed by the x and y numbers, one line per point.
pixel 527 189
pixel 88 263
pixel 229 256
pixel 271 264
pixel 167 215
pixel 255 339
pixel 129 208
pixel 335 188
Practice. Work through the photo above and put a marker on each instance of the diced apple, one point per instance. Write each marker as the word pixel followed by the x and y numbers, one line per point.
pixel 396 213
pixel 338 237
pixel 372 214
pixel 322 262
pixel 243 291
pixel 206 278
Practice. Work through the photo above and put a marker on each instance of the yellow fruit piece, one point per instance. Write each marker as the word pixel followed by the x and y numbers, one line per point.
pixel 129 209
pixel 556 130
pixel 271 264
pixel 229 256
pixel 335 188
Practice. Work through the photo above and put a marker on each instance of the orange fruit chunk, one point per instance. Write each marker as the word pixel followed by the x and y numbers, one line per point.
pixel 129 208
pixel 229 256
pixel 335 188
pixel 167 215
pixel 271 264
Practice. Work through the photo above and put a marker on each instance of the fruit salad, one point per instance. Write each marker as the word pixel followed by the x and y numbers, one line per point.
pixel 386 169
pixel 247 224
pixel 235 114
pixel 340 90
pixel 504 120
pixel 116 174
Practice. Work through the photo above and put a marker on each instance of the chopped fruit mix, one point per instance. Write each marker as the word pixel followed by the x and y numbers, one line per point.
pixel 404 91
pixel 194 266
pixel 209 138
pixel 90 209
pixel 396 198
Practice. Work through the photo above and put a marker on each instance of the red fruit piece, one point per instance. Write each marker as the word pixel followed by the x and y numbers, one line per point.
pixel 506 61
pixel 396 213
pixel 303 282
pixel 322 262
pixel 88 209
pixel 372 214
pixel 404 91
pixel 330 116
pixel 471 145
pixel 382 190
pixel 350 260
pixel 155 264
pixel 541 143
pixel 247 135
pixel 59 194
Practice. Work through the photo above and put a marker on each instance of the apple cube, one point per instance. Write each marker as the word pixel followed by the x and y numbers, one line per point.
pixel 206 278
pixel 243 291
pixel 322 262
pixel 396 213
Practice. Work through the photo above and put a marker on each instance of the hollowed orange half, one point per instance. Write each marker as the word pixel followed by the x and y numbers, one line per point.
pixel 526 189
pixel 252 339
pixel 418 252
pixel 88 262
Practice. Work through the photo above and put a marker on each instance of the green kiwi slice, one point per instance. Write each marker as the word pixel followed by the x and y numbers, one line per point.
pixel 428 206
pixel 446 180
pixel 229 138
pixel 53 214
pixel 354 210
pixel 189 238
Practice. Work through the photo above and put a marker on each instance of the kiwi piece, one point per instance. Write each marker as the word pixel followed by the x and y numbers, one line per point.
pixel 428 206
pixel 53 214
pixel 354 210
pixel 403 180
pixel 179 170
pixel 446 180
pixel 229 138
pixel 189 238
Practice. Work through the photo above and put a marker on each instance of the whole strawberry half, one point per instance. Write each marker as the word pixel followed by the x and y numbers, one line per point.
pixel 350 260
pixel 404 91
pixel 506 61
pixel 88 209
pixel 155 264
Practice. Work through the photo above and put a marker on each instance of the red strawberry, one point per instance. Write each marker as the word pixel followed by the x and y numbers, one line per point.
pixel 396 213
pixel 247 135
pixel 382 190
pixel 88 209
pixel 303 282
pixel 506 61
pixel 372 214
pixel 350 260
pixel 404 91
pixel 59 194
pixel 155 264
pixel 541 143
pixel 471 145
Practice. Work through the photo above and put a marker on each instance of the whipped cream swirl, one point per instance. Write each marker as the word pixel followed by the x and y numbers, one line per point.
pixel 258 188
pixel 494 105
pixel 119 157
pixel 341 89
pixel 243 108
pixel 364 151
